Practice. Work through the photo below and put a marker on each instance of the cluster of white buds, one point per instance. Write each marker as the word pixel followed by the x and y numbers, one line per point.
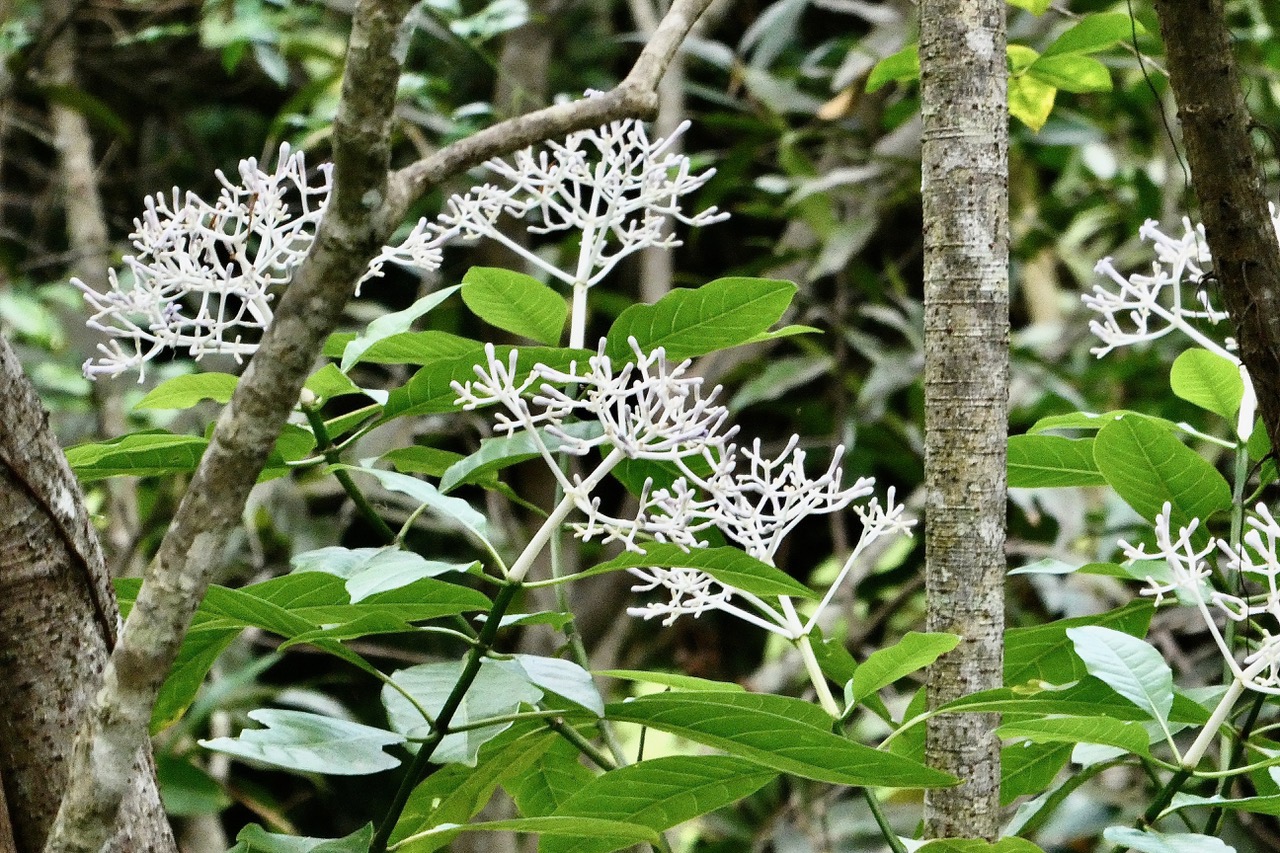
pixel 203 275
pixel 1147 307
pixel 1257 564
pixel 649 411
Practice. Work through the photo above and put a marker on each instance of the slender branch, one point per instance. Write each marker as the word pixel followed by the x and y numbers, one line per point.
pixel 333 456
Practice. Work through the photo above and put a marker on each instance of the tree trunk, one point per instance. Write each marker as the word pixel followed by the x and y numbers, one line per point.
pixel 1225 175
pixel 966 313
pixel 57 623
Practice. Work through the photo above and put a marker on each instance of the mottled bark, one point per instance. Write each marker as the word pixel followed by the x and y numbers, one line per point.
pixel 1227 180
pixel 364 208
pixel 57 620
pixel 964 185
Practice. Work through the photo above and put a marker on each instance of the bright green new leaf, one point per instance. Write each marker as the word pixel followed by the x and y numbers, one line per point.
pixel 1072 72
pixel 1092 421
pixel 502 452
pixel 675 680
pixel 609 834
pixel 1050 461
pixel 913 652
pixel 551 782
pixel 729 565
pixel 516 303
pixel 898 68
pixel 310 743
pixel 659 794
pixel 786 734
pixel 391 324
pixel 1129 666
pixel 496 692
pixel 689 323
pixel 1035 7
pixel 1209 381
pixel 1150 841
pixel 1148 466
pixel 183 392
pixel 1129 735
pixel 1094 32
pixel 329 382
pixel 1031 100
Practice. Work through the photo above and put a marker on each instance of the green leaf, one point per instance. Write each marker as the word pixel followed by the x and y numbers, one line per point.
pixel 200 649
pixel 442 506
pixel 1030 100
pixel 391 324
pixel 675 680
pixel 255 839
pixel 563 678
pixel 609 834
pixel 1128 666
pixel 1029 768
pixel 786 734
pixel 420 348
pixel 1092 421
pixel 898 68
pixel 913 652
pixel 496 454
pixel 310 743
pixel 977 845
pixel 1131 736
pixel 183 392
pixel 187 790
pixel 1035 7
pixel 516 303
pixel 1094 32
pixel 369 571
pixel 1050 461
pixel 659 794
pixel 1044 652
pixel 496 692
pixel 421 460
pixel 1148 466
pixel 139 454
pixel 1150 841
pixel 329 382
pixel 1072 72
pixel 1267 805
pixel 730 566
pixel 688 323
pixel 546 786
pixel 1209 381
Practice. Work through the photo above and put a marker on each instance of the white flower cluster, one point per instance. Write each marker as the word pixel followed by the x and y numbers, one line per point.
pixel 649 411
pixel 1257 563
pixel 1147 307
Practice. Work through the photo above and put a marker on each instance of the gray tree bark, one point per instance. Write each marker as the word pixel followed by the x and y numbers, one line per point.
pixel 1225 174
pixel 964 184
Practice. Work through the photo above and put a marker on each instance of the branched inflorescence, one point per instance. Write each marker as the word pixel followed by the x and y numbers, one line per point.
pixel 648 411
pixel 203 275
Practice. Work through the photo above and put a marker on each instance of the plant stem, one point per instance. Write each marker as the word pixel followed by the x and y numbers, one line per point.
pixel 586 747
pixel 334 456
pixel 895 843
pixel 1214 823
pixel 419 769
pixel 1163 798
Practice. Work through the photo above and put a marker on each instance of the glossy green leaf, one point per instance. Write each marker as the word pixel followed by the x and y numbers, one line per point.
pixel 1044 652
pixel 1092 421
pixel 417 459
pixel 884 666
pixel 183 392
pixel 556 777
pixel 1029 768
pixel 689 323
pixel 1148 466
pixel 1150 841
pixel 1094 32
pixel 1128 735
pixel 200 649
pixel 502 452
pixel 1031 100
pixel 786 734
pixel 442 506
pixel 516 303
pixel 310 743
pixel 391 324
pixel 1072 72
pixel 1129 666
pixel 607 834
pixel 896 68
pixel 369 571
pixel 659 794
pixel 1050 461
pixel 139 454
pixel 329 382
pixel 186 789
pixel 497 691
pixel 417 348
pixel 1209 381
pixel 731 566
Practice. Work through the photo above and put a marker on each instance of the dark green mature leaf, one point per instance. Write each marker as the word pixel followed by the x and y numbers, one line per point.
pixel 1267 805
pixel 550 782
pixel 418 348
pixel 660 793
pixel 884 666
pixel 1209 381
pixel 1129 735
pixel 200 649
pixel 1029 768
pixel 1044 652
pixel 310 743
pixel 1148 466
pixel 183 392
pixel 613 835
pixel 786 734
pixel 516 303
pixel 186 789
pixel 730 566
pixel 689 323
pixel 139 454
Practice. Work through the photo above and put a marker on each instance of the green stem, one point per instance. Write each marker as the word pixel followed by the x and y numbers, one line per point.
pixel 1163 798
pixel 420 768
pixel 333 456
pixel 895 843
pixel 586 747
